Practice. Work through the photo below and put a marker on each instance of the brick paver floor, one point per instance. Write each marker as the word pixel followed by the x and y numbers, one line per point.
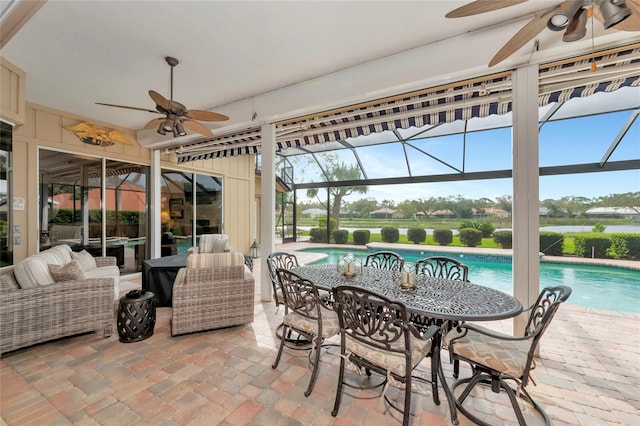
pixel 587 374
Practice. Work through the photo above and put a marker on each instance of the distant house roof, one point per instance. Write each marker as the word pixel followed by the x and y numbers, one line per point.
pixel 445 212
pixel 383 210
pixel 491 211
pixel 314 212
pixel 613 211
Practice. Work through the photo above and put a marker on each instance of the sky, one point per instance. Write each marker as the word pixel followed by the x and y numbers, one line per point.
pixel 562 142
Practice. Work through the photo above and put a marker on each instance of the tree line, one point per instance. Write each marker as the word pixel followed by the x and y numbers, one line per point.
pixel 462 207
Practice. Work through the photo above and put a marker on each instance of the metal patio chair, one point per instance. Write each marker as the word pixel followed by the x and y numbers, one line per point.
pixel 375 333
pixel 496 357
pixel 307 315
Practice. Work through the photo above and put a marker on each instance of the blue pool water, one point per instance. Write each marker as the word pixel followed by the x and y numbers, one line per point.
pixel 598 287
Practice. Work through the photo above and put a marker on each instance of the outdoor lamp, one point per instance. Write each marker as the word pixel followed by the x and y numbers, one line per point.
pixel 613 12
pixel 255 250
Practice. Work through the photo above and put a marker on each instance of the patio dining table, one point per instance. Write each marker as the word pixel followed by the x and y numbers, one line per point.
pixel 437 300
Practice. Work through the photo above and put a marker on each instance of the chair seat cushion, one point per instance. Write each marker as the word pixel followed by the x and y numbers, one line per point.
pixel 504 356
pixel 391 361
pixel 330 323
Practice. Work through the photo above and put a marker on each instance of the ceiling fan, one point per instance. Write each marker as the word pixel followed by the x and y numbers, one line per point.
pixel 570 16
pixel 177 117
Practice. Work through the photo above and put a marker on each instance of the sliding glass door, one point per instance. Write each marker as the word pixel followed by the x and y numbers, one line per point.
pixel 188 202
pixel 94 204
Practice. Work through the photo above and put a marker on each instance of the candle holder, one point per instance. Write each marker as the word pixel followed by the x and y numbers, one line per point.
pixel 408 277
pixel 349 265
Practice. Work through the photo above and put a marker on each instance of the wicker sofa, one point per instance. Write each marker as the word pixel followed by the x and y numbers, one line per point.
pixel 51 310
pixel 215 290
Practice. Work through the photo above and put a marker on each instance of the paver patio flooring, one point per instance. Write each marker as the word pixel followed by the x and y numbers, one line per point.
pixel 587 374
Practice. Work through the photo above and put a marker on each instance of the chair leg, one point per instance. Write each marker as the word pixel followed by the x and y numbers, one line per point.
pixel 407 401
pixel 487 379
pixel 336 404
pixel 514 402
pixel 284 331
pixel 317 347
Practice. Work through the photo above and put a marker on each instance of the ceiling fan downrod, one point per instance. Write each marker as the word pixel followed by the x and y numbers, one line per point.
pixel 172 63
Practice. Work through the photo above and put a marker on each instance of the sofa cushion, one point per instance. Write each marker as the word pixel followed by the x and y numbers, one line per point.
pixel 207 260
pixel 34 270
pixel 70 272
pixel 8 282
pixel 111 271
pixel 85 259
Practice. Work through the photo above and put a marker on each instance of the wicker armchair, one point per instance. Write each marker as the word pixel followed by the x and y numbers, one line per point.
pixel 215 290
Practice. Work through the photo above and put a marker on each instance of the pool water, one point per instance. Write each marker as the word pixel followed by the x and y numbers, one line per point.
pixel 598 287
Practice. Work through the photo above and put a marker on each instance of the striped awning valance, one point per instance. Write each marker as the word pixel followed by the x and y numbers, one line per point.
pixel 479 97
pixel 560 82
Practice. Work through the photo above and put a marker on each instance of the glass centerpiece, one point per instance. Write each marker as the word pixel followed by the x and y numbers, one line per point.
pixel 349 265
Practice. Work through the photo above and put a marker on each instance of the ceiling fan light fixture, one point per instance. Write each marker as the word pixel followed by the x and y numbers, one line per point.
pixel 178 130
pixel 167 125
pixel 563 15
pixel 161 129
pixel 613 12
pixel 577 28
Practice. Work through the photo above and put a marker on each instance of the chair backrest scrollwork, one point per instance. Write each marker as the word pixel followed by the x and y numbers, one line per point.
pixel 278 260
pixel 443 267
pixel 384 260
pixel 372 319
pixel 300 296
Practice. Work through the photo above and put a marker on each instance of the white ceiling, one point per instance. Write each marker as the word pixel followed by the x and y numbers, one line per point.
pixel 76 53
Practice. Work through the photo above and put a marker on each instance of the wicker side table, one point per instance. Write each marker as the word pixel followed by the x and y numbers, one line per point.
pixel 136 316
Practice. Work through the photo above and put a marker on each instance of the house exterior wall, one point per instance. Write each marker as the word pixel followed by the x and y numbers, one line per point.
pixel 12 104
pixel 43 127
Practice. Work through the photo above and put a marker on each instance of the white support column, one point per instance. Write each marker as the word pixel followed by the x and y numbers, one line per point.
pixel 154 204
pixel 526 222
pixel 268 207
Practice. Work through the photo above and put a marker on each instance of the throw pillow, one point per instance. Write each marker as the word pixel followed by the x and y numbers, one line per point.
pixel 8 282
pixel 85 259
pixel 69 272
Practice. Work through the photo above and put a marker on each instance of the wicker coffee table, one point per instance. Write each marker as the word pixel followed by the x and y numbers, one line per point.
pixel 136 316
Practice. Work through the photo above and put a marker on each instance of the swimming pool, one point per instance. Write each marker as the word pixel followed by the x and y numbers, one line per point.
pixel 598 287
